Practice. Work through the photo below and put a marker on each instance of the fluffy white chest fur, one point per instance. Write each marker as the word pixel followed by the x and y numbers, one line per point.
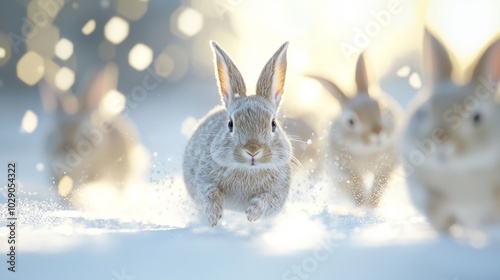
pixel 470 196
pixel 240 186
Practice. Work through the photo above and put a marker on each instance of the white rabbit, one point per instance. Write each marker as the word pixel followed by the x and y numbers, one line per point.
pixel 451 146
pixel 239 157
pixel 362 139
pixel 92 143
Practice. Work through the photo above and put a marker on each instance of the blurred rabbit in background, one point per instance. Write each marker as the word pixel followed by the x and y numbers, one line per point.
pixel 92 142
pixel 452 142
pixel 362 138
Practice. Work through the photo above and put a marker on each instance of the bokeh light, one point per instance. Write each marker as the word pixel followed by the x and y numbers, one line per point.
pixel 415 80
pixel 132 9
pixel 105 3
pixel 186 22
pixel 116 30
pixel 43 41
pixel 64 78
pixel 172 70
pixel 65 186
pixel 403 71
pixel 64 49
pixel 164 65
pixel 29 122
pixel 42 13
pixel 309 91
pixel 112 104
pixel 30 68
pixel 5 49
pixel 40 167
pixel 89 27
pixel 140 57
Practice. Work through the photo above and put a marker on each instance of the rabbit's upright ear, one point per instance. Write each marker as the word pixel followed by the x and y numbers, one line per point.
pixel 437 61
pixel 488 67
pixel 271 81
pixel 331 87
pixel 229 79
pixel 105 81
pixel 362 79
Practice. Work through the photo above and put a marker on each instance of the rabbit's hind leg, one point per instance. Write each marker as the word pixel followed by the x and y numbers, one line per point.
pixel 379 185
pixel 353 186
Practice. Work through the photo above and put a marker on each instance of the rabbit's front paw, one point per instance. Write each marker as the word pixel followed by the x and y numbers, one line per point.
pixel 214 213
pixel 256 209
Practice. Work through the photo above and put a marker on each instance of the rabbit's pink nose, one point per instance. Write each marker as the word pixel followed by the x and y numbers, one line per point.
pixel 252 149
pixel 252 154
pixel 376 129
pixel 442 137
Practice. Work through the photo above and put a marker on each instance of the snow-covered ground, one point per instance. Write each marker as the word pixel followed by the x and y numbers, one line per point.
pixel 153 231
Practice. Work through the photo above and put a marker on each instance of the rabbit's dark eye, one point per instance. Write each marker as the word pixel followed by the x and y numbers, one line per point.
pixel 350 122
pixel 230 125
pixel 273 124
pixel 476 118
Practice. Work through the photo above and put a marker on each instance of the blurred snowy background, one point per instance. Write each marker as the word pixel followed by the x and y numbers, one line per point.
pixel 166 75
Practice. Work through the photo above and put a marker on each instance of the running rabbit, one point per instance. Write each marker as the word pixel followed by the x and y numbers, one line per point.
pixel 451 145
pixel 92 142
pixel 362 138
pixel 239 157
